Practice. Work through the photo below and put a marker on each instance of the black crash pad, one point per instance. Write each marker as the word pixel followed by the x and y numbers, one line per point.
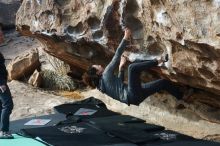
pixel 172 138
pixel 127 127
pixel 90 103
pixel 16 125
pixel 121 121
pixel 80 134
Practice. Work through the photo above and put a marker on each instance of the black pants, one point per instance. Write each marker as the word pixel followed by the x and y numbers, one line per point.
pixel 6 106
pixel 137 92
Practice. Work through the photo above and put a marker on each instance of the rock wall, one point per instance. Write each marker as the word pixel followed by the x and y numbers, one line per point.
pixel 82 32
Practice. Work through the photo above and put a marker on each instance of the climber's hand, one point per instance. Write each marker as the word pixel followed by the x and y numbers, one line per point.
pixel 127 34
pixel 2 88
pixel 122 63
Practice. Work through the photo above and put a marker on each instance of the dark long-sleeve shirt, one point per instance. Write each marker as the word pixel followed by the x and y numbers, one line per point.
pixel 111 84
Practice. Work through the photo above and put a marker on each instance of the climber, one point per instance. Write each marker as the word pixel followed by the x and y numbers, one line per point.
pixel 6 103
pixel 134 92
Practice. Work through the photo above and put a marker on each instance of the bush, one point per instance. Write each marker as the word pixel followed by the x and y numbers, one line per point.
pixel 57 81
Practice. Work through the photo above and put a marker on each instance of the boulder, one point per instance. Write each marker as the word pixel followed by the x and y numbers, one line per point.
pixel 85 32
pixel 35 79
pixel 24 65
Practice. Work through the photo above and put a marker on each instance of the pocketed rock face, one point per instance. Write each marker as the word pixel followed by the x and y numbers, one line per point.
pixel 82 33
pixel 71 30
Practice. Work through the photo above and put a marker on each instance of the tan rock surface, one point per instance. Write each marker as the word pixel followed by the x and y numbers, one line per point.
pixel 35 79
pixel 23 65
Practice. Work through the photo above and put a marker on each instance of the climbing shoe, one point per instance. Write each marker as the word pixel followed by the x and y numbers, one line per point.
pixel 5 135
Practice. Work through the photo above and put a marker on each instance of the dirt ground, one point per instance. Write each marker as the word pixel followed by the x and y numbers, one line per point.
pixel 15 44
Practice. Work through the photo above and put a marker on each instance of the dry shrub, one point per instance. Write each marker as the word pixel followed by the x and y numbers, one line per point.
pixel 58 66
pixel 56 81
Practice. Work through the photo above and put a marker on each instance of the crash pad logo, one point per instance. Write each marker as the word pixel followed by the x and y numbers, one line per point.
pixel 85 112
pixel 167 136
pixel 72 129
